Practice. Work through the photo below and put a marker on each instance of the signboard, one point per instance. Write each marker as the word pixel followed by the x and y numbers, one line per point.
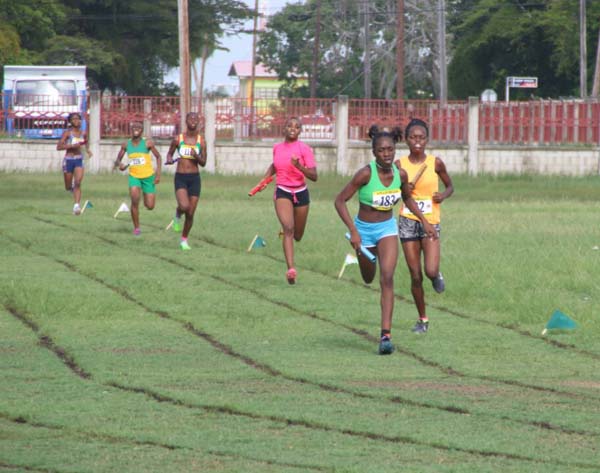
pixel 522 82
pixel 519 83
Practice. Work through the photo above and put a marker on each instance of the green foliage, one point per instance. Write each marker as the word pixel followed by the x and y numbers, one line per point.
pixel 495 39
pixel 70 50
pixel 127 45
pixel 35 20
pixel 10 46
pixel 287 46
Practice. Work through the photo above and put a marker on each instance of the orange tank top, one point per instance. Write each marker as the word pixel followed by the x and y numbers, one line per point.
pixel 424 189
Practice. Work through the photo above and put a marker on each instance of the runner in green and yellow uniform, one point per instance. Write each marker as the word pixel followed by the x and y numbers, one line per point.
pixel 142 178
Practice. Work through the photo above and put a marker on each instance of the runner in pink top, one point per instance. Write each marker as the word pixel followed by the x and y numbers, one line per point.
pixel 293 162
pixel 288 175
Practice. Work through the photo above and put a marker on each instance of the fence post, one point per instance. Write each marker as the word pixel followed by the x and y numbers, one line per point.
pixel 238 119
pixel 473 137
pixel 341 135
pixel 94 130
pixel 210 133
pixel 147 117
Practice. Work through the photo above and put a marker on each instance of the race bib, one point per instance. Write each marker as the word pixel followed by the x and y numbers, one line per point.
pixel 186 151
pixel 137 161
pixel 385 200
pixel 425 206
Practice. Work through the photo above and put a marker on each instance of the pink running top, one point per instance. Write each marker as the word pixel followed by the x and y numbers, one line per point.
pixel 287 174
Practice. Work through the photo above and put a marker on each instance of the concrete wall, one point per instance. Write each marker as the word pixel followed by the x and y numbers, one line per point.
pixel 253 158
pixel 340 156
pixel 230 158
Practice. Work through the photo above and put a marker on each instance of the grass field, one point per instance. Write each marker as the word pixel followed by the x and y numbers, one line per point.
pixel 123 354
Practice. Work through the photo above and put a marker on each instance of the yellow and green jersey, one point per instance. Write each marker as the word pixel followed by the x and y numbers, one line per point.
pixel 185 150
pixel 140 161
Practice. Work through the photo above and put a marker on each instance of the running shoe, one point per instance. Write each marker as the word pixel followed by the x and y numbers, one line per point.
pixel 76 209
pixel 291 276
pixel 438 283
pixel 184 245
pixel 421 326
pixel 137 232
pixel 386 347
pixel 176 225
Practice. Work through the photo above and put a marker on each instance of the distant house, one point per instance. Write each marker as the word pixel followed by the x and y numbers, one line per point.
pixel 266 82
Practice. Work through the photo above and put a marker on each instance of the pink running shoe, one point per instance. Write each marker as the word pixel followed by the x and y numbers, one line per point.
pixel 137 232
pixel 291 276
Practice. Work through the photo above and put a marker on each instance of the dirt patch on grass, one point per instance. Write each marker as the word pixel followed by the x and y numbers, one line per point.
pixel 582 384
pixel 141 351
pixel 420 386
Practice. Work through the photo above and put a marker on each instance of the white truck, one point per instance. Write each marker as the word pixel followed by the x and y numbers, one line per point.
pixel 36 100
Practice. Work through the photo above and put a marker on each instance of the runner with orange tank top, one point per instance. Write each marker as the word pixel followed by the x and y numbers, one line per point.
pixel 424 173
pixel 191 148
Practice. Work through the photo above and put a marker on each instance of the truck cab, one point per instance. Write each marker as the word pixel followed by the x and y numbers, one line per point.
pixel 38 99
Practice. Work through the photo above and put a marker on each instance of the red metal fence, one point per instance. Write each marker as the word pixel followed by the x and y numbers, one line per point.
pixel 161 113
pixel 39 115
pixel 237 120
pixel 544 122
pixel 540 122
pixel 447 122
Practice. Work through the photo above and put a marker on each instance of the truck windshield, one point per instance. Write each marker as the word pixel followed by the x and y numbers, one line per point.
pixel 45 92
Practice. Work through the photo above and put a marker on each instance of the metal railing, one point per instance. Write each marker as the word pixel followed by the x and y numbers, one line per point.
pixel 543 122
pixel 447 122
pixel 540 122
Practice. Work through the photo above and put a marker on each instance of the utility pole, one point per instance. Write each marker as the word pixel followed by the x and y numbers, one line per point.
pixel 253 72
pixel 582 51
pixel 184 60
pixel 400 50
pixel 316 47
pixel 596 86
pixel 442 51
pixel 367 49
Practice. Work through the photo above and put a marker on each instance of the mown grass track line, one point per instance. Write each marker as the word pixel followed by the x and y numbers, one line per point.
pixel 441 308
pixel 447 370
pixel 46 342
pixel 271 371
pixel 69 362
pixel 146 443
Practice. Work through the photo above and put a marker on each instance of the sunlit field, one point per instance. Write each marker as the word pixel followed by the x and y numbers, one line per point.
pixel 126 354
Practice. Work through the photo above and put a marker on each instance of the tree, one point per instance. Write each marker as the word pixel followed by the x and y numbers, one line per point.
pixel 287 47
pixel 10 46
pixel 496 39
pixel 127 45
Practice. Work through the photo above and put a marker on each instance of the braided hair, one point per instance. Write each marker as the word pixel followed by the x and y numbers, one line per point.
pixel 375 132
